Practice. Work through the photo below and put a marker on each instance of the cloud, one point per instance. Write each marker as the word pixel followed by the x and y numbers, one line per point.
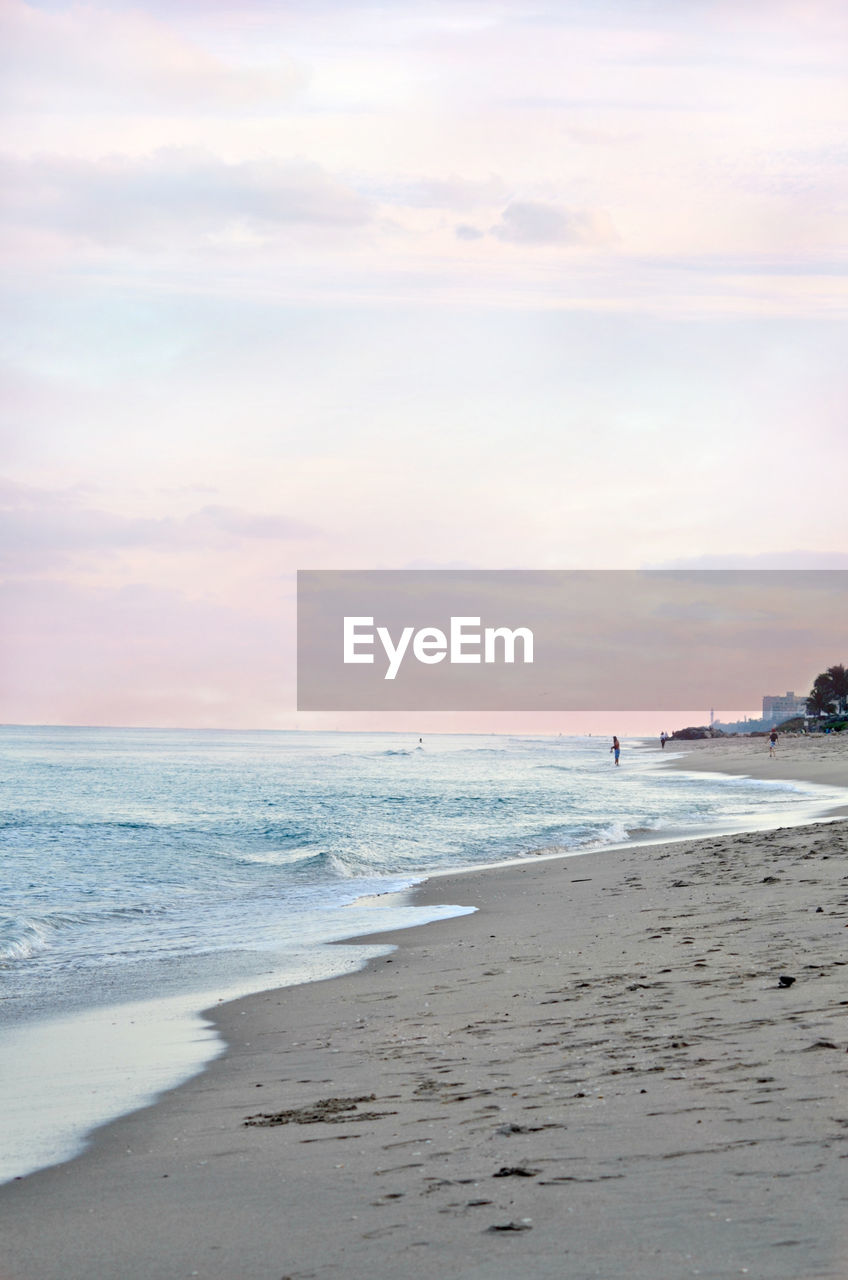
pixel 452 192
pixel 532 222
pixel 174 194
pixel 777 560
pixel 43 529
pixel 89 55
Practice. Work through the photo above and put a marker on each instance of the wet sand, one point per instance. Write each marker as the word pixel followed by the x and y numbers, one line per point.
pixel 605 1072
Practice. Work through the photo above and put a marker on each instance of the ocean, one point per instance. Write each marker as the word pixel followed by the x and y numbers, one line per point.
pixel 148 874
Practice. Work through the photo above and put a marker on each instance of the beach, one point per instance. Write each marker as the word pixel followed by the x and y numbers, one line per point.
pixel 629 1063
pixel 820 758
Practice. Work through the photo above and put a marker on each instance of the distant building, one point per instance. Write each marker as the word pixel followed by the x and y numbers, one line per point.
pixel 776 708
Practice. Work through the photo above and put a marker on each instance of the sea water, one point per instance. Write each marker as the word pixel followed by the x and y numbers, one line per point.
pixel 148 874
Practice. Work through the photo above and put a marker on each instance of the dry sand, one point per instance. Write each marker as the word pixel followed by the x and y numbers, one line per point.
pixel 597 1075
pixel 821 758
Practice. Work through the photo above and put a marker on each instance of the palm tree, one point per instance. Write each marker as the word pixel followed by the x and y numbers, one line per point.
pixel 838 681
pixel 822 698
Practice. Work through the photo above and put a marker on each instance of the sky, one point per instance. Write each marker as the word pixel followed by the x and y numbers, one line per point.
pixel 322 284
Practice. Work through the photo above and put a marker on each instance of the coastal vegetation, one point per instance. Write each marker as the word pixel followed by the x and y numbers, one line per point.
pixel 826 711
pixel 829 694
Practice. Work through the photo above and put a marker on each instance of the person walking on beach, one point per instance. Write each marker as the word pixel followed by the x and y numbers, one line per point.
pixel 616 747
pixel 773 736
pixel 663 739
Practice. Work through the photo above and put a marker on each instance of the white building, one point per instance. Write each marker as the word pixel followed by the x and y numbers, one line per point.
pixel 776 708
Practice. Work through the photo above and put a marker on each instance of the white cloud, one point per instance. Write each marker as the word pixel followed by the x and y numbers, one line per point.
pixel 177 193
pixel 453 192
pixel 466 232
pixel 773 560
pixel 88 55
pixel 41 529
pixel 533 222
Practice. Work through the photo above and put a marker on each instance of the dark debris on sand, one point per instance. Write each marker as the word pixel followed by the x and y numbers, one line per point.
pixel 325 1111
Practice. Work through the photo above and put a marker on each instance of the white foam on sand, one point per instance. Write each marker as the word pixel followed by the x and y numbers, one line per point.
pixel 64 1076
pixel 61 1077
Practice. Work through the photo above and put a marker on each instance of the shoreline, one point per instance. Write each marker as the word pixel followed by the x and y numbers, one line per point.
pixel 120 1055
pixel 341 1038
pixel 171 1037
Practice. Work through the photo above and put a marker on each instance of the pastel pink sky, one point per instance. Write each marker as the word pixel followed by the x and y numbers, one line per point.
pixel 328 285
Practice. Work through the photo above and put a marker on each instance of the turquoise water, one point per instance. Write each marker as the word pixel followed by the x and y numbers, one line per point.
pixel 150 873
